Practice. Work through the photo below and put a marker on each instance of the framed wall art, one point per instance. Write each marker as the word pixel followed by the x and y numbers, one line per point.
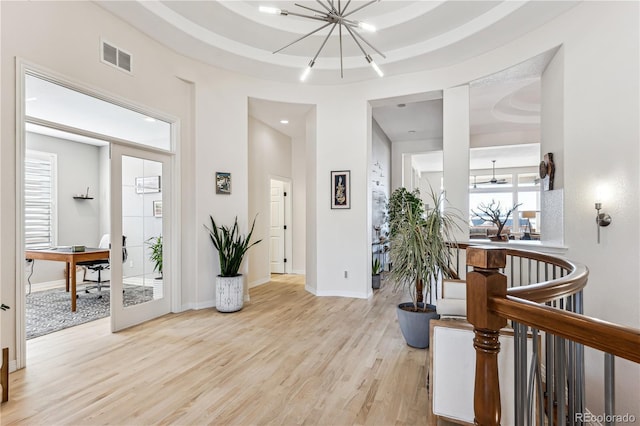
pixel 340 189
pixel 147 184
pixel 223 183
pixel 157 208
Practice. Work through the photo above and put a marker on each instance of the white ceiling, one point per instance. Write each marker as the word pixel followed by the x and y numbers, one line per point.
pixel 272 113
pixel 413 35
pixel 54 103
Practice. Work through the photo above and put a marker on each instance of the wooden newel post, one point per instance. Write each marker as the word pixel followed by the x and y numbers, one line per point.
pixel 484 282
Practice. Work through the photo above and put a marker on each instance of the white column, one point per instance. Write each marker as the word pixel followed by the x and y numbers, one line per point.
pixel 455 136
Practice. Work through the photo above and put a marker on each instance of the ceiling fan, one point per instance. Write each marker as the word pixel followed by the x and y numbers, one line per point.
pixel 493 180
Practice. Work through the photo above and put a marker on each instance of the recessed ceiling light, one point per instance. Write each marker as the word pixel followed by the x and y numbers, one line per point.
pixel 412 131
pixel 284 121
pixel 31 99
pixel 150 119
pixel 401 105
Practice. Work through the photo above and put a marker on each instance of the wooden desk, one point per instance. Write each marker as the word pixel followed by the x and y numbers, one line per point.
pixel 70 258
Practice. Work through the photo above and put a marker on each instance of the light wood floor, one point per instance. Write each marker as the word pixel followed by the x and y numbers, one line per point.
pixel 287 358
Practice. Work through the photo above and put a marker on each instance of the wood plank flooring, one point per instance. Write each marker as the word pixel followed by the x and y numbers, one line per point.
pixel 288 358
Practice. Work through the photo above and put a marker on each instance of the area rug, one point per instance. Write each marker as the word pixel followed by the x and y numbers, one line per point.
pixel 50 310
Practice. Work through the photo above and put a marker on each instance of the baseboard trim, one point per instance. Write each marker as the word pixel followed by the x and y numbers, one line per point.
pixel 311 290
pixel 350 294
pixel 201 305
pixel 298 271
pixel 13 366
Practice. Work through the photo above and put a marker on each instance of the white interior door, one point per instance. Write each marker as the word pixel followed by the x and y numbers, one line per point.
pixel 277 229
pixel 140 211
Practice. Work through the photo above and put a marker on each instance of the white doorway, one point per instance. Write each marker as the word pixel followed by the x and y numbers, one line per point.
pixel 74 111
pixel 280 229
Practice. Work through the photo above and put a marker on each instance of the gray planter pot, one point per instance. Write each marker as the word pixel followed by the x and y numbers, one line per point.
pixel 375 281
pixel 415 325
pixel 229 293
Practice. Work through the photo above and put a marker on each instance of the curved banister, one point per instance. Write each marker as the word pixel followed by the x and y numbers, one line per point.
pixel 544 291
pixel 602 335
pixel 547 291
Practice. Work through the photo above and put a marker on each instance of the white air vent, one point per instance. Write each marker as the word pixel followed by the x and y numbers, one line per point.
pixel 112 55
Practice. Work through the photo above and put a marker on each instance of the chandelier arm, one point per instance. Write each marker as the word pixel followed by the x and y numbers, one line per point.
pixel 356 40
pixel 304 36
pixel 359 8
pixel 324 14
pixel 324 5
pixel 317 18
pixel 340 38
pixel 344 9
pixel 369 44
pixel 324 42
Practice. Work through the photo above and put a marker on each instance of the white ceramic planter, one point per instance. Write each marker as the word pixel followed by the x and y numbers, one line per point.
pixel 229 293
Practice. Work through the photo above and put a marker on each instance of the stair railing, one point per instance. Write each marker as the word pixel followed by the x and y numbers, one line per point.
pixel 551 306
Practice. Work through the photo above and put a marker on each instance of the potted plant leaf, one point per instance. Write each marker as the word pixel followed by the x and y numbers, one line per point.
pixel 155 245
pixel 376 268
pixel 493 212
pixel 420 256
pixel 231 246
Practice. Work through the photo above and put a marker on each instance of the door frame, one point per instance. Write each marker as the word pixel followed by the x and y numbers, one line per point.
pixel 123 317
pixel 23 67
pixel 288 221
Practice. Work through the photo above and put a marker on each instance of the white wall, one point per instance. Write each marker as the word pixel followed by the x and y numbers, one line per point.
pixel 270 155
pixel 78 167
pixel 380 175
pixel 398 151
pixel 455 135
pixel 504 138
pixel 428 181
pixel 299 201
pixel 601 134
pixel 600 146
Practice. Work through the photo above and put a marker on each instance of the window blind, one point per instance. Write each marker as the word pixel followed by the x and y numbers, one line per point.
pixel 39 200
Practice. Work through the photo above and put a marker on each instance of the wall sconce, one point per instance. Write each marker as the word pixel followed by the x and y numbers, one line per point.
pixel 602 219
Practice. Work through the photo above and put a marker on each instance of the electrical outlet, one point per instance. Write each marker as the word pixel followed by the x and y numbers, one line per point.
pixel 346 275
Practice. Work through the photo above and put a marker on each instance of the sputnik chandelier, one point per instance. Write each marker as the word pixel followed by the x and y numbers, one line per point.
pixel 335 16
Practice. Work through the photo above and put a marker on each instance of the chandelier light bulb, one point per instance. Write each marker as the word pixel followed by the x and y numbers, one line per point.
pixel 306 71
pixel 270 10
pixel 366 27
pixel 377 69
pixel 374 66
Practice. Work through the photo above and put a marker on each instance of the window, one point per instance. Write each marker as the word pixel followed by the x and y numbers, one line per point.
pixel 40 215
pixel 526 192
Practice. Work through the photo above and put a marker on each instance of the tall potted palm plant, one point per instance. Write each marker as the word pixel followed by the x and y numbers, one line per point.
pixel 231 246
pixel 420 256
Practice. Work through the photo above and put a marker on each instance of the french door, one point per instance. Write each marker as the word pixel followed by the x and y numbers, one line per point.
pixel 141 235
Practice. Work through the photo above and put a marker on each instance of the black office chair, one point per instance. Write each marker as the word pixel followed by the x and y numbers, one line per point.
pixel 101 265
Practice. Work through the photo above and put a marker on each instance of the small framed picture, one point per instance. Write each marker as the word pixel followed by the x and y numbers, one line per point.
pixel 340 189
pixel 223 183
pixel 157 208
pixel 148 184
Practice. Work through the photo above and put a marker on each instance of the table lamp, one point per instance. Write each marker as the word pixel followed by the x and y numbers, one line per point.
pixel 528 214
